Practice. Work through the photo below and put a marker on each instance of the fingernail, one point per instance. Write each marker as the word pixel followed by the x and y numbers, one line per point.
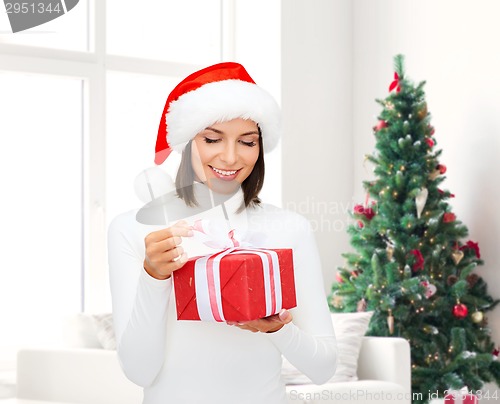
pixel 283 314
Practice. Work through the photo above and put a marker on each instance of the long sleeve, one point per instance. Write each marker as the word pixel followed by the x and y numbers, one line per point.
pixel 308 342
pixel 140 304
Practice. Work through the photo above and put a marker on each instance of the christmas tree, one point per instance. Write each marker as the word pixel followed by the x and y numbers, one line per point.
pixel 413 265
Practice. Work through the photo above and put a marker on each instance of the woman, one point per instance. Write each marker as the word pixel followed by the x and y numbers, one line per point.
pixel 222 122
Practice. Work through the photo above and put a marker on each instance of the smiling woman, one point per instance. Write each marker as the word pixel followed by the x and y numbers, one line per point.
pixel 222 122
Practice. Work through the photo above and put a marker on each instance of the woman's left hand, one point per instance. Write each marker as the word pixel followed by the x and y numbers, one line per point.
pixel 266 324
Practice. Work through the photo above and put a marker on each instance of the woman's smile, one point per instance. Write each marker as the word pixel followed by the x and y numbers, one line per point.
pixel 224 174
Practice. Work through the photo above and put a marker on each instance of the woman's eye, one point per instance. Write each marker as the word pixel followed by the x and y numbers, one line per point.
pixel 249 144
pixel 209 140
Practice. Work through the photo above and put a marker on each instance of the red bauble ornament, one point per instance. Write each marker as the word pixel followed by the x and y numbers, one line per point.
pixel 449 217
pixel 495 352
pixel 360 224
pixel 380 125
pixel 460 310
pixel 369 213
pixel 359 210
pixel 338 277
pixel 441 168
pixel 429 142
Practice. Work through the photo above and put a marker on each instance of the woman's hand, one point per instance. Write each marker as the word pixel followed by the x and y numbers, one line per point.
pixel 164 254
pixel 266 324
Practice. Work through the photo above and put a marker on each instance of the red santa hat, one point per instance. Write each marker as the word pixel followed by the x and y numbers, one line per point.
pixel 218 93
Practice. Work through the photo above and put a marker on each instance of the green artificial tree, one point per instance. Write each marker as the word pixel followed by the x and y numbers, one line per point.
pixel 412 265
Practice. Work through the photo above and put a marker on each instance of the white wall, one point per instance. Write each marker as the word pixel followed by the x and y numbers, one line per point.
pixel 453 46
pixel 317 114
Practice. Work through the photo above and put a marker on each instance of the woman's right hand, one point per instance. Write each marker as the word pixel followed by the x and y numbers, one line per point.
pixel 164 254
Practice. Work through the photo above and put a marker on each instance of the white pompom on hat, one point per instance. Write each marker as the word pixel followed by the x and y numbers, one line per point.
pixel 218 93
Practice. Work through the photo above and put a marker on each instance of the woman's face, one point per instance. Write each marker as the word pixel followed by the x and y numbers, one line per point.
pixel 224 154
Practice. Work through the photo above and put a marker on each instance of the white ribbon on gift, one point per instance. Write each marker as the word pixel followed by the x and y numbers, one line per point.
pixel 207 272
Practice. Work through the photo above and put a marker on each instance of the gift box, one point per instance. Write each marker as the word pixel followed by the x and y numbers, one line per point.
pixel 460 397
pixel 236 284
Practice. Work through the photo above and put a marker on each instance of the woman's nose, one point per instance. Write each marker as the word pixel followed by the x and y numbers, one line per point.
pixel 229 155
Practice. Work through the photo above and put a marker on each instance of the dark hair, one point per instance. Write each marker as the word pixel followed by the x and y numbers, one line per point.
pixel 251 186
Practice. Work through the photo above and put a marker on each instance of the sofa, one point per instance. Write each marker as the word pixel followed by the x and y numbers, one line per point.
pixel 86 369
pixel 93 376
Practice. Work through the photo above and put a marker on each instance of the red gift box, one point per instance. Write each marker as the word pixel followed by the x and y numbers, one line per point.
pixel 237 284
pixel 460 397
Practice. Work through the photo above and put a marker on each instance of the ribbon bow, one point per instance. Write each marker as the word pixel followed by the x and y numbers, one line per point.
pixel 395 84
pixel 207 270
pixel 213 235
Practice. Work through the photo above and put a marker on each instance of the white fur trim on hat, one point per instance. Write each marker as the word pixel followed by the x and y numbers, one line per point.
pixel 222 101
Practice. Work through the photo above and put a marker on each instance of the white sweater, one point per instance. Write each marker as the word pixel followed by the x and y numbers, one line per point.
pixel 201 362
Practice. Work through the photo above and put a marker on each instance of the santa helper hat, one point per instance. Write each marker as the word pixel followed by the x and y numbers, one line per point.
pixel 218 93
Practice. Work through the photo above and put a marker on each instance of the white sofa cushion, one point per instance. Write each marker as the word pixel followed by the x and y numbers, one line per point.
pixel 83 330
pixel 105 330
pixel 80 331
pixel 349 331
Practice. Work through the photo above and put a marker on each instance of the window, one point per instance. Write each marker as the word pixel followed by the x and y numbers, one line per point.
pixel 80 102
